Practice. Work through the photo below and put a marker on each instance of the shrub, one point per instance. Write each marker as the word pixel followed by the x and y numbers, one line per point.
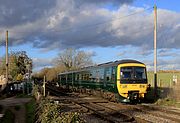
pixel 49 112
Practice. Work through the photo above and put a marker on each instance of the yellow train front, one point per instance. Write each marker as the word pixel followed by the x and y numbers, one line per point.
pixel 131 81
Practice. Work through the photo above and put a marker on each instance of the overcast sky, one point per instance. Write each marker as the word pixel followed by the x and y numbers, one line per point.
pixel 109 29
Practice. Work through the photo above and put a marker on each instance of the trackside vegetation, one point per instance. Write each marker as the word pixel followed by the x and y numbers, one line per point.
pixel 49 112
pixel 30 111
pixel 8 117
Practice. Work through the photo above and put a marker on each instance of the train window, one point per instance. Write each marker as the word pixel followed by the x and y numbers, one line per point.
pixel 101 74
pixel 63 78
pixel 133 73
pixel 80 76
pixel 126 73
pixel 77 77
pixel 85 76
pixel 107 78
pixel 140 73
pixel 108 73
pixel 93 75
pixel 97 76
pixel 113 73
pixel 69 79
pixel 90 76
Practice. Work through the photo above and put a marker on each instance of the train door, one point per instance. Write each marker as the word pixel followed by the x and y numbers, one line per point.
pixel 107 77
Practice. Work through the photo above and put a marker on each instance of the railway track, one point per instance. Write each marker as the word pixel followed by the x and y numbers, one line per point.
pixel 110 112
pixel 92 105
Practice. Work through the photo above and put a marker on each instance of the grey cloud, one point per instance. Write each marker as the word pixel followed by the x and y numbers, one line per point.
pixel 114 2
pixel 65 25
pixel 168 52
pixel 145 50
pixel 164 64
pixel 138 32
pixel 17 12
pixel 172 64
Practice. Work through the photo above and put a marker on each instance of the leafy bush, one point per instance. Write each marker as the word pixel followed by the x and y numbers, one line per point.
pixel 49 112
pixel 36 92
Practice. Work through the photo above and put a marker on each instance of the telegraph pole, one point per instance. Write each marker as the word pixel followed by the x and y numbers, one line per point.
pixel 155 50
pixel 6 57
pixel 44 86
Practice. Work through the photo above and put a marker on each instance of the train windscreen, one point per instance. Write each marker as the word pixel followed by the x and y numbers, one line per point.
pixel 139 73
pixel 133 74
pixel 126 73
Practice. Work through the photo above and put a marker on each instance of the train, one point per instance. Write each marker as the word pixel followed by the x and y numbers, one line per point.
pixel 124 80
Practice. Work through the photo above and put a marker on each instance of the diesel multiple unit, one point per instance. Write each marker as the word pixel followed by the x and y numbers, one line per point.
pixel 126 79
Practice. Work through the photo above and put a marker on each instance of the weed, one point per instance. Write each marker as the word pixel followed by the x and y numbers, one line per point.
pixel 8 117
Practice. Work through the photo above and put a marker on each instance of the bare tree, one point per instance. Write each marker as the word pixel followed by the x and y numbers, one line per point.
pixel 74 59
pixel 69 59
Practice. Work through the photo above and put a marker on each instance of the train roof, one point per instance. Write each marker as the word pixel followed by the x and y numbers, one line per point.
pixel 113 63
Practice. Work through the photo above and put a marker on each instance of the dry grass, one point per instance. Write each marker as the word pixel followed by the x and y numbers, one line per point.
pixel 176 91
pixel 167 88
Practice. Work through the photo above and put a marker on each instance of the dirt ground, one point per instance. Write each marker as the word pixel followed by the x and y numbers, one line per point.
pixel 11 103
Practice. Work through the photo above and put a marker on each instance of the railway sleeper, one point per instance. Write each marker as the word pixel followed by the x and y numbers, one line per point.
pixel 113 117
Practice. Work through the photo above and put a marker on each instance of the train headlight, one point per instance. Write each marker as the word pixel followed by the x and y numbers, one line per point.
pixel 124 86
pixel 142 86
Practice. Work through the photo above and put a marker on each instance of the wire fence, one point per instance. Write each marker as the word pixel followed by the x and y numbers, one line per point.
pixel 168 84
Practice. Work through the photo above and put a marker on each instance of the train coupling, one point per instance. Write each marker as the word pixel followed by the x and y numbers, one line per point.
pixel 133 95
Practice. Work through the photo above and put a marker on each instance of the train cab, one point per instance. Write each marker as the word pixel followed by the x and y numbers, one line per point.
pixel 132 81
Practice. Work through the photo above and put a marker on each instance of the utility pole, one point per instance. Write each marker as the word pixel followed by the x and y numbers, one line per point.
pixel 6 57
pixel 155 50
pixel 44 86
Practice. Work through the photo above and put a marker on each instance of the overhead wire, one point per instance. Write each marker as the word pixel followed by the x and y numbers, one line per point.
pixel 114 31
pixel 90 25
pixel 106 21
pixel 111 33
pixel 97 24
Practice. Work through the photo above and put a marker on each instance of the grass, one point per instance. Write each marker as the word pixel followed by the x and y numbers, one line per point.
pixel 23 96
pixel 164 78
pixel 168 102
pixel 30 111
pixel 167 91
pixel 8 117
